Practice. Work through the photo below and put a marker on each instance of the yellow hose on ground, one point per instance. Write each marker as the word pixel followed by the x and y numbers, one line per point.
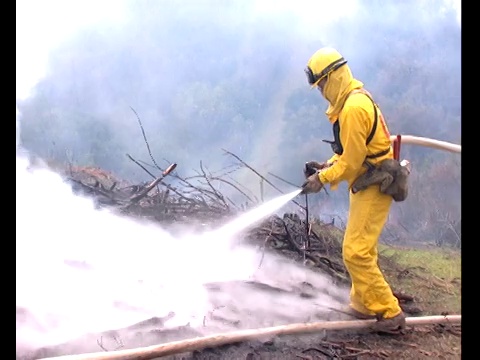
pixel 182 346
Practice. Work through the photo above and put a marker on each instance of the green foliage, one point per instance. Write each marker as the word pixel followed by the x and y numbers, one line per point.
pixel 441 263
pixel 431 275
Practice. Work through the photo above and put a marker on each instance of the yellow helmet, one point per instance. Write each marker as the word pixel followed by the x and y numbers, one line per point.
pixel 322 63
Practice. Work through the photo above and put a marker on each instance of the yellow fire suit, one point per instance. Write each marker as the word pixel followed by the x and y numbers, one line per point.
pixel 368 210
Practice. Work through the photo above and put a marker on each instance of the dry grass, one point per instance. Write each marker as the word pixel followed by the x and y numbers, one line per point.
pixel 431 275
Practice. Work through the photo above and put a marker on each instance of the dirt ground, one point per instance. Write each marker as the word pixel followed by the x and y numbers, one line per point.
pixel 426 342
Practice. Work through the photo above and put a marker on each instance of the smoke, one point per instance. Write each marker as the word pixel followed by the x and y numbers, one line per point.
pixel 82 270
pixel 38 32
pixel 75 263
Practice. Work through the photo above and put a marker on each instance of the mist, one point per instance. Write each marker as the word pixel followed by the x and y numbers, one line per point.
pixel 204 76
pixel 81 270
pixel 212 75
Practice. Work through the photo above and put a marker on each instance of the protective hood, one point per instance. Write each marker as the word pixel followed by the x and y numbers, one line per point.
pixel 339 84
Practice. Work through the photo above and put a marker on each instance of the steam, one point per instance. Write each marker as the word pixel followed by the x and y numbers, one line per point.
pixel 76 266
pixel 82 270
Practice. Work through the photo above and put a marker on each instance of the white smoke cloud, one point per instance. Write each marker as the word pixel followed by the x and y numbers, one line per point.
pixel 75 263
pixel 43 25
pixel 82 270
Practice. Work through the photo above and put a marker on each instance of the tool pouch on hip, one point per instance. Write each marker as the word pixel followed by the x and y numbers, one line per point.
pixel 391 176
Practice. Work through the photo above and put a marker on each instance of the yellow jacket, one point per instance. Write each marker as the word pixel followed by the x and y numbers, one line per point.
pixel 356 119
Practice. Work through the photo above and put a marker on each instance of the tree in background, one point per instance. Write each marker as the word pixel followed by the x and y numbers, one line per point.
pixel 232 78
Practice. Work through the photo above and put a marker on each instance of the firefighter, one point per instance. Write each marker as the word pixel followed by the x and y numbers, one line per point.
pixel 360 133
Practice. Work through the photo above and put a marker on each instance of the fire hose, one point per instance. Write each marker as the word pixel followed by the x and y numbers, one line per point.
pixel 183 346
pixel 424 141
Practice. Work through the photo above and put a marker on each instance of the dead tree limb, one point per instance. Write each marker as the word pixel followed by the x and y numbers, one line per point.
pixel 260 175
pixel 235 187
pixel 145 138
pixel 168 186
pixel 215 191
pixel 96 190
pixel 320 261
pixel 245 189
pixel 141 166
pixel 187 183
pixel 226 171
pixel 255 171
pixel 148 188
pixel 285 181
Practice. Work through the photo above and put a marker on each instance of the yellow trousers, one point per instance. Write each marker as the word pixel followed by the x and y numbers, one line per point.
pixel 370 293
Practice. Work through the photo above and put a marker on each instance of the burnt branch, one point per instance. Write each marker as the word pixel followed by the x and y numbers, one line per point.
pixel 285 181
pixel 259 175
pixel 145 138
pixel 253 170
pixel 141 166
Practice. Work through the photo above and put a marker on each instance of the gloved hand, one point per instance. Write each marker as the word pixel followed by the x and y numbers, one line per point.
pixel 317 165
pixel 312 185
pixel 314 165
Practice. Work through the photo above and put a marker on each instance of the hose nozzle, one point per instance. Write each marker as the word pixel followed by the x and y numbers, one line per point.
pixel 309 170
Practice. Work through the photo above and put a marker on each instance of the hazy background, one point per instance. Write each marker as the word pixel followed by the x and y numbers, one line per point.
pixel 206 75
pixel 202 76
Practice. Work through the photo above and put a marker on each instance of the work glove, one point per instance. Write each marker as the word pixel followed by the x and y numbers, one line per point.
pixel 312 185
pixel 311 166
